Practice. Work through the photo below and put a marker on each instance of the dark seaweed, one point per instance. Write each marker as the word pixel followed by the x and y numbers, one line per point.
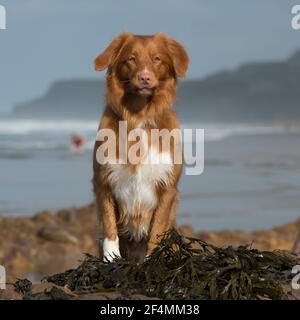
pixel 187 268
pixel 23 286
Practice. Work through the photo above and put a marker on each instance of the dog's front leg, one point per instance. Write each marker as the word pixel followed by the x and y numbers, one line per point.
pixel 164 217
pixel 107 216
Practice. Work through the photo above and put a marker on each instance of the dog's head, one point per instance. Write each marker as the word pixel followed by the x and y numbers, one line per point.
pixel 143 64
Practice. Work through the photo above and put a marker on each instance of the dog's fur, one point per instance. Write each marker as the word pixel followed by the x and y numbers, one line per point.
pixel 137 203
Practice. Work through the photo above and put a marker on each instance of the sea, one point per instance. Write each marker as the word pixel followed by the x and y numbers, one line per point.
pixel 250 181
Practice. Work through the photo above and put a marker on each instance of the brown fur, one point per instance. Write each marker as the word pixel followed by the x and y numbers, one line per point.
pixel 125 57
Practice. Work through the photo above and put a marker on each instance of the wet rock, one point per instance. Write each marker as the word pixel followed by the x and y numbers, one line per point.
pixel 10 294
pixel 23 286
pixel 187 231
pixel 56 234
pixel 50 243
pixel 44 217
pixel 112 296
pixel 50 292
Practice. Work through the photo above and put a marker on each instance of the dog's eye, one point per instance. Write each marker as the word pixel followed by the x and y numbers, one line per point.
pixel 132 59
pixel 157 59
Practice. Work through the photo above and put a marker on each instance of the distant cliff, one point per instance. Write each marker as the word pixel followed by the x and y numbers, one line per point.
pixel 253 92
pixel 66 99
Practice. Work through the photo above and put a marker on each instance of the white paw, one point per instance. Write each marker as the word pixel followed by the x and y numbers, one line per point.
pixel 111 249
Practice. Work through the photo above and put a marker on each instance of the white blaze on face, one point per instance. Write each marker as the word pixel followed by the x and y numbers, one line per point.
pixel 111 249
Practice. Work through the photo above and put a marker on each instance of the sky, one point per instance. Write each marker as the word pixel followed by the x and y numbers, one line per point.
pixel 46 40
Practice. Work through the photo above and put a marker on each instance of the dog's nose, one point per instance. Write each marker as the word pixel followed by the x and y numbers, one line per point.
pixel 144 77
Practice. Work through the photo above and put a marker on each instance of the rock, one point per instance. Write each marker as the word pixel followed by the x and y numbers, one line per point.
pixel 44 217
pixel 56 234
pixel 296 246
pixel 49 242
pixel 292 294
pixel 259 297
pixel 112 296
pixel 23 286
pixel 47 291
pixel 187 231
pixel 10 294
pixel 67 215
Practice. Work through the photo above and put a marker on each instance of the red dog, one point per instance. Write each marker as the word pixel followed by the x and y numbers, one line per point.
pixel 137 203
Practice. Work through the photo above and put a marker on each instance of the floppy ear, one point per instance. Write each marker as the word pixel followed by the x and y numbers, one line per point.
pixel 108 56
pixel 177 53
pixel 179 56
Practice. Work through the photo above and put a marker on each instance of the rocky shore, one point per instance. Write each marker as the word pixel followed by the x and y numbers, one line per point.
pixel 48 243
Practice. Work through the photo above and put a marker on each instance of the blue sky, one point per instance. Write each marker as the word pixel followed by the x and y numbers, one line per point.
pixel 48 40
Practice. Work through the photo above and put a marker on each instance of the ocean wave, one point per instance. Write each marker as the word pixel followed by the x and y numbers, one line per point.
pixel 41 126
pixel 36 135
pixel 215 131
pixel 218 132
pixel 16 148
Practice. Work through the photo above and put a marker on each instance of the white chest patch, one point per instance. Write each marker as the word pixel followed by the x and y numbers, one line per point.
pixel 138 187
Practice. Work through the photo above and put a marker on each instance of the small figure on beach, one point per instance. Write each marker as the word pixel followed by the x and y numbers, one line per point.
pixel 78 143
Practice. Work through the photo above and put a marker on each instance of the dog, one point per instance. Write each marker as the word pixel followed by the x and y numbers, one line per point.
pixel 136 203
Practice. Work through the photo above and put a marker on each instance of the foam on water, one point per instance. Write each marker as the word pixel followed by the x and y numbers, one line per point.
pixel 41 126
pixel 35 135
pixel 220 131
